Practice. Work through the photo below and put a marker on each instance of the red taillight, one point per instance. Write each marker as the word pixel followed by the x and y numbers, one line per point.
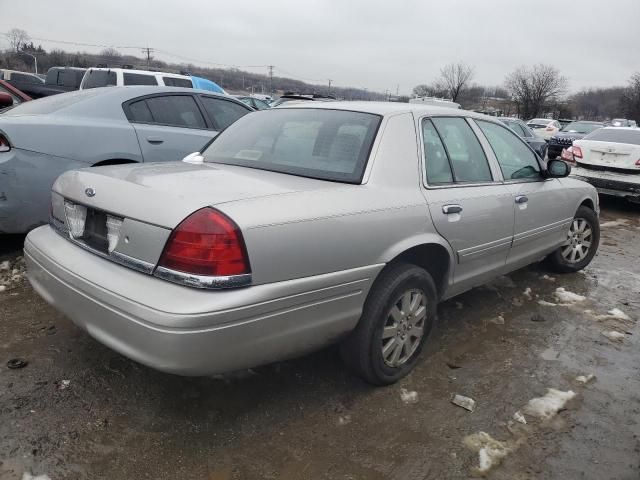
pixel 207 243
pixel 5 146
pixel 638 162
pixel 577 151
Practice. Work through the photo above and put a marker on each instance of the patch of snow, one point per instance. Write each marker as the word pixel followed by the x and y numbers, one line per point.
pixel 618 314
pixel 344 420
pixel 490 451
pixel 567 297
pixel 547 304
pixel 527 293
pixel 64 384
pixel 2 288
pixel 519 417
pixel 464 402
pixel 549 405
pixel 619 222
pixel 613 335
pixel 584 379
pixel 4 265
pixel 499 320
pixel 408 397
pixel 548 278
pixel 28 476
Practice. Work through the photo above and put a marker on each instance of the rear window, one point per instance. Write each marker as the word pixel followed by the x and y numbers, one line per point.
pixel 99 78
pixel 25 78
pixel 177 82
pixel 324 144
pixel 615 135
pixel 138 79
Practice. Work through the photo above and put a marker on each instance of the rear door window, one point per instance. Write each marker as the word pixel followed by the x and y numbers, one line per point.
pixel 466 156
pixel 99 78
pixel 223 112
pixel 437 162
pixel 516 160
pixel 140 113
pixel 173 110
pixel 139 79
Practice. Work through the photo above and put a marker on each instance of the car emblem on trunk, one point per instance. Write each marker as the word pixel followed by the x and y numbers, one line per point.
pixel 89 192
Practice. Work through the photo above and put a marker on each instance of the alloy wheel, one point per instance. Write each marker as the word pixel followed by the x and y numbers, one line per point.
pixel 404 327
pixel 578 242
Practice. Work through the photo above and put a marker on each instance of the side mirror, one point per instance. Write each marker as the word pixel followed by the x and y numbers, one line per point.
pixel 558 169
pixel 194 157
pixel 6 100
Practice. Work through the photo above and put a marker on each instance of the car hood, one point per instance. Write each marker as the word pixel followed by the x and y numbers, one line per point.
pixel 165 193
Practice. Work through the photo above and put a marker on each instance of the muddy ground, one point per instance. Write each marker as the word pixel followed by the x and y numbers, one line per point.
pixel 79 410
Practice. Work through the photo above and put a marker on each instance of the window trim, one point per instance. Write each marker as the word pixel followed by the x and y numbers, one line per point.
pixel 127 110
pixel 423 160
pixel 541 164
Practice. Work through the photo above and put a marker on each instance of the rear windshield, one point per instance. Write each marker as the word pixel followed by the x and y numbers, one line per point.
pixel 99 78
pixel 543 122
pixel 325 144
pixel 581 127
pixel 615 135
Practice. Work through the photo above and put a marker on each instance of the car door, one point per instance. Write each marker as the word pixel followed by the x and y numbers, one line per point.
pixel 469 205
pixel 223 112
pixel 543 208
pixel 168 126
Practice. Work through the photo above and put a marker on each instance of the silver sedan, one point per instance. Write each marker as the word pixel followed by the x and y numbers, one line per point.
pixel 303 226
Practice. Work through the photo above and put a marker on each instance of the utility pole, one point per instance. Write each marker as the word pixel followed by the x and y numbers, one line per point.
pixel 397 90
pixel 148 51
pixel 329 86
pixel 270 79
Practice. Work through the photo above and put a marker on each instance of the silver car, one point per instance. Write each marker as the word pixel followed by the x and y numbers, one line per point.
pixel 41 139
pixel 303 226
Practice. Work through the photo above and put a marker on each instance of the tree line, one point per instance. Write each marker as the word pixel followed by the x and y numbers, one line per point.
pixel 534 91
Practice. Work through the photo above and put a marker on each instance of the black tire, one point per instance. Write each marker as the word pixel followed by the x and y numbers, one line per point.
pixel 558 263
pixel 362 350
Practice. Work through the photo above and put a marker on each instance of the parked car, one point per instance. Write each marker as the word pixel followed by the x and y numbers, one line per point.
pixel 302 226
pixel 565 137
pixel 254 103
pixel 119 77
pixel 58 80
pixel 633 123
pixel 544 127
pixel 609 159
pixel 10 96
pixel 619 122
pixel 23 81
pixel 44 138
pixel 523 131
pixel 206 84
pixel 564 122
pixel 301 97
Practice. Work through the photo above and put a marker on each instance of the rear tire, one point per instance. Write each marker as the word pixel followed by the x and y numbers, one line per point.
pixel 581 245
pixel 384 346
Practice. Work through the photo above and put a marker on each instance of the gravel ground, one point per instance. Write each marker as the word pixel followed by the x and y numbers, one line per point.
pixel 79 410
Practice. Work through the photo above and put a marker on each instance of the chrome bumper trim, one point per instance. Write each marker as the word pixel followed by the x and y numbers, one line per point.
pixel 201 281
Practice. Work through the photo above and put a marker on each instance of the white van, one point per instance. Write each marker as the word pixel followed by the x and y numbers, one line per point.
pixel 105 77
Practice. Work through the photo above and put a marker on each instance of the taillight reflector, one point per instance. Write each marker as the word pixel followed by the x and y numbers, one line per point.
pixel 206 243
pixel 5 146
pixel 638 162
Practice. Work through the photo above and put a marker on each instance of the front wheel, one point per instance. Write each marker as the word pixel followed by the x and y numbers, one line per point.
pixel 581 244
pixel 397 318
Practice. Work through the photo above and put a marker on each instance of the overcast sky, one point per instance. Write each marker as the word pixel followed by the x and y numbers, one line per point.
pixel 360 43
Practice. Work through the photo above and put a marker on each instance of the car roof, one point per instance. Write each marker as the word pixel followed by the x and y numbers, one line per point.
pixel 142 72
pixel 385 108
pixel 541 119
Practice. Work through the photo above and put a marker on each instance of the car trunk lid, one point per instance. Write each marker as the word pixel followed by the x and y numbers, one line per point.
pixel 607 155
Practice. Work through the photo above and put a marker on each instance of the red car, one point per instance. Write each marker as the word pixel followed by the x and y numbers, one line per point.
pixel 10 95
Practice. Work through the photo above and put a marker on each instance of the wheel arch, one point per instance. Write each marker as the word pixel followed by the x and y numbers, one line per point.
pixel 431 253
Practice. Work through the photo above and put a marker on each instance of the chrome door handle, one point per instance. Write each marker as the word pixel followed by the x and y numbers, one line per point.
pixel 155 140
pixel 448 209
pixel 522 199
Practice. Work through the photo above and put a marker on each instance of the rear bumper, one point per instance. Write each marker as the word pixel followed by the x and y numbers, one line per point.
pixel 187 331
pixel 610 183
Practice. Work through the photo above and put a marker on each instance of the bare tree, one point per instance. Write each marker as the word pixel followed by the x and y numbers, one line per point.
pixel 428 91
pixel 631 98
pixel 110 56
pixel 455 79
pixel 532 89
pixel 17 38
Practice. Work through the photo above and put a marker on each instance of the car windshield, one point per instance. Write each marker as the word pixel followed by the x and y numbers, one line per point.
pixel 317 143
pixel 581 127
pixel 615 135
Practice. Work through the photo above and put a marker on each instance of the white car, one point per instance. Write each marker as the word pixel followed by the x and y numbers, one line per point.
pixel 544 127
pixel 104 77
pixel 609 159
